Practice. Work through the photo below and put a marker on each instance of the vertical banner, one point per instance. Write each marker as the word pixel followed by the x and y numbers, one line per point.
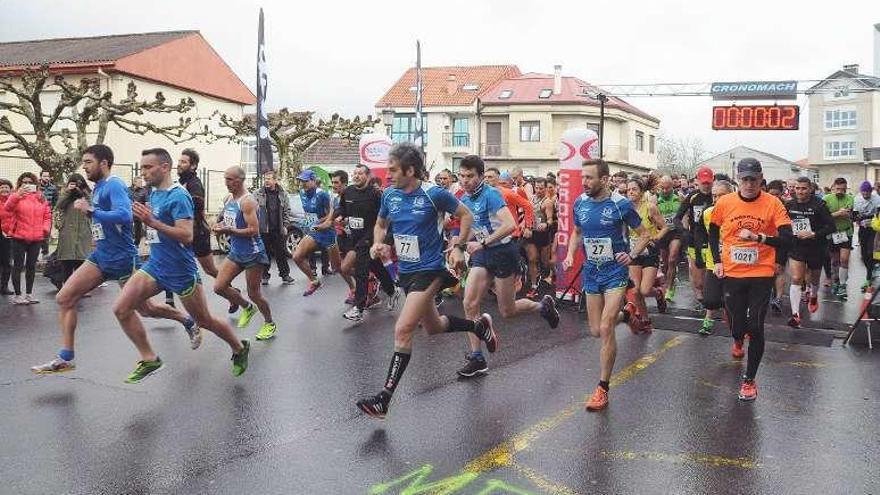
pixel 264 145
pixel 577 145
pixel 373 150
pixel 418 138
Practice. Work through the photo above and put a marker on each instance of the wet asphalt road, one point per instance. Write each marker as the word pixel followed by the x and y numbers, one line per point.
pixel 289 424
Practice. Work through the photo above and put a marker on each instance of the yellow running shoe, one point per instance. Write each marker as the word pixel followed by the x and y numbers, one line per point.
pixel 246 314
pixel 267 331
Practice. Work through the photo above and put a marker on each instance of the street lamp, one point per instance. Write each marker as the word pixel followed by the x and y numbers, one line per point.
pixel 602 99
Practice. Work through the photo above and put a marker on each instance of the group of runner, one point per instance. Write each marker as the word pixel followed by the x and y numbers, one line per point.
pixel 492 232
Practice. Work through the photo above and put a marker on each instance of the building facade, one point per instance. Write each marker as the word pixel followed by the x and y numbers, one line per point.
pixel 775 167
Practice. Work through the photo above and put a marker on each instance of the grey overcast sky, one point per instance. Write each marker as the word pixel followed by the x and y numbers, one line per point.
pixel 341 56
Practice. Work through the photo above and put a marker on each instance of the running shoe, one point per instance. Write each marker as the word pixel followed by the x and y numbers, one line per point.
pixel 646 325
pixel 287 280
pixel 476 365
pixel 708 326
pixel 841 292
pixel 350 299
pixel 373 301
pixel 232 306
pixel 143 370
pixel 19 301
pixel 267 331
pixel 813 305
pixel 794 321
pixel 354 314
pixel 244 319
pixel 240 359
pixel 194 333
pixel 698 307
pixel 662 305
pixel 748 390
pixel 392 300
pixel 776 306
pixel 56 365
pixel 598 401
pixel 670 293
pixel 375 406
pixel 549 311
pixel 630 317
pixel 834 287
pixel 313 286
pixel 489 336
pixel 29 299
pixel 805 295
pixel 737 351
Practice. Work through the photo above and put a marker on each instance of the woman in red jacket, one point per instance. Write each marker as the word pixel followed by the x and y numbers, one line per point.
pixel 5 242
pixel 31 223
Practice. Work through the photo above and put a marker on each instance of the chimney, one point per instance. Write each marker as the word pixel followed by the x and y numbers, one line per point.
pixel 451 84
pixel 877 50
pixel 854 68
pixel 557 79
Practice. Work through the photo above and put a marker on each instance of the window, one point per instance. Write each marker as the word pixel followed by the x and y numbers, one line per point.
pixel 403 128
pixel 640 141
pixel 840 149
pixel 471 87
pixel 594 128
pixel 840 119
pixel 530 131
pixel 545 93
pixel 505 94
pixel 456 163
pixel 651 143
pixel 461 132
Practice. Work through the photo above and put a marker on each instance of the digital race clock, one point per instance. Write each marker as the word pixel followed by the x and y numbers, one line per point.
pixel 756 118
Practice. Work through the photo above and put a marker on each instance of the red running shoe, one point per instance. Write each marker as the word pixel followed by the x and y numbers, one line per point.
pixel 737 351
pixel 598 401
pixel 748 390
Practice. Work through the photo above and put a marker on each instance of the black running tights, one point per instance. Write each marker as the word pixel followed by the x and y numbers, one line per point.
pixel 746 300
pixel 24 257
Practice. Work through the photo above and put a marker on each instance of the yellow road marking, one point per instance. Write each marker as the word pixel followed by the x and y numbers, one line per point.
pixel 805 364
pixel 541 482
pixel 502 455
pixel 685 458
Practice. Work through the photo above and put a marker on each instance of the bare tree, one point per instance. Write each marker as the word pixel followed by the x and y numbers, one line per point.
pixel 292 133
pixel 55 146
pixel 679 155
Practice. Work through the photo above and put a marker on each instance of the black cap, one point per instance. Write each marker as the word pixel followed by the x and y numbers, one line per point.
pixel 748 167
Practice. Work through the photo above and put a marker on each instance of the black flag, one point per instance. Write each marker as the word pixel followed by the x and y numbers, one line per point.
pixel 264 145
pixel 419 138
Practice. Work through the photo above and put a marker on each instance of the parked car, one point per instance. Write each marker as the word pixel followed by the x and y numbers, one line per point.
pixel 295 230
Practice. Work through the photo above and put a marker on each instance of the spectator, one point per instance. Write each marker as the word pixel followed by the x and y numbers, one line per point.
pixel 50 192
pixel 139 194
pixel 31 224
pixel 274 219
pixel 5 242
pixel 74 226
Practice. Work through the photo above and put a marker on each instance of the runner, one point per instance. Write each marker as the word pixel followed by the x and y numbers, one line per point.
pixel 338 182
pixel 601 218
pixel 493 255
pixel 358 208
pixel 745 230
pixel 692 209
pixel 415 209
pixel 536 245
pixel 865 207
pixel 776 188
pixel 668 202
pixel 114 258
pixel 811 223
pixel 713 298
pixel 643 268
pixel 247 253
pixel 840 204
pixel 321 234
pixel 171 266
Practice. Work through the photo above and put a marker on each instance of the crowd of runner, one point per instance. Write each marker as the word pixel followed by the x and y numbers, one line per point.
pixel 459 237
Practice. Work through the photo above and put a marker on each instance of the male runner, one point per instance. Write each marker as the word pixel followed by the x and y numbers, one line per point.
pixel 745 230
pixel 601 219
pixel 692 208
pixel 713 295
pixel 114 258
pixel 358 208
pixel 669 246
pixel 776 188
pixel 171 266
pixel 247 253
pixel 493 255
pixel 840 204
pixel 866 204
pixel 811 223
pixel 321 234
pixel 415 209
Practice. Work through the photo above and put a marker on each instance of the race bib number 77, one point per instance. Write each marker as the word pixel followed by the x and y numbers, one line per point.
pixel 407 248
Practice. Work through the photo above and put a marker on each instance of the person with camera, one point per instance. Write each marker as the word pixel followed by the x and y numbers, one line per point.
pixel 31 223
pixel 74 226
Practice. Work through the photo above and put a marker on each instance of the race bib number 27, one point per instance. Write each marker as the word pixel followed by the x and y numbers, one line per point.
pixel 598 249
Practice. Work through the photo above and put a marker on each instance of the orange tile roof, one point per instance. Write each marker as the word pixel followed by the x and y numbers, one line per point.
pixel 435 85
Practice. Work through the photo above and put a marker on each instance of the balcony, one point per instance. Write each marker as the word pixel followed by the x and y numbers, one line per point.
pixel 457 140
pixel 494 150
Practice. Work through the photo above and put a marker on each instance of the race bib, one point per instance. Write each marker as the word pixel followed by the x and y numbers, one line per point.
pixel 839 237
pixel 669 218
pixel 407 247
pixel 698 212
pixel 311 219
pixel 598 249
pixel 228 219
pixel 799 225
pixel 151 235
pixel 744 255
pixel 97 232
pixel 355 223
pixel 481 233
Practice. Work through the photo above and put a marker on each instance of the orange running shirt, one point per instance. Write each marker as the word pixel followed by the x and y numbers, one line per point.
pixel 764 215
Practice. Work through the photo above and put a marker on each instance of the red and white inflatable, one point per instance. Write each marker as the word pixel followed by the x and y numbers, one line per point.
pixel 373 150
pixel 577 145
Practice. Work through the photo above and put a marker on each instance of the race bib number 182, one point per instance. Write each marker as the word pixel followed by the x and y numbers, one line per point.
pixel 799 225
